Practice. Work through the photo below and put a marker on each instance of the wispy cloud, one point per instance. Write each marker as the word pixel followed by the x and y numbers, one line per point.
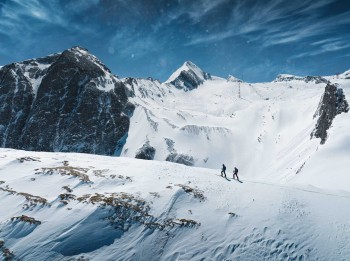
pixel 324 48
pixel 275 22
pixel 21 18
pixel 195 10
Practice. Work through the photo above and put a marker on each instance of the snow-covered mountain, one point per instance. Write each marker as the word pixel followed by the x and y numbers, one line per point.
pixel 237 123
pixel 289 139
pixel 188 77
pixel 232 78
pixel 71 102
pixel 306 79
pixel 64 102
pixel 345 75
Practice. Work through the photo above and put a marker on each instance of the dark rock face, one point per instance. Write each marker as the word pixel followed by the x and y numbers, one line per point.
pixel 180 158
pixel 146 152
pixel 77 107
pixel 18 84
pixel 190 78
pixel 16 98
pixel 316 79
pixel 187 80
pixel 332 103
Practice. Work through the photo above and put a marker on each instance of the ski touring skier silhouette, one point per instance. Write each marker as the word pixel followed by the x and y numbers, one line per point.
pixel 223 170
pixel 235 174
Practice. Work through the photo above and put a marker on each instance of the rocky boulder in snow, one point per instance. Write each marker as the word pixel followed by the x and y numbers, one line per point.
pixel 146 152
pixel 188 77
pixel 184 159
pixel 332 103
pixel 64 102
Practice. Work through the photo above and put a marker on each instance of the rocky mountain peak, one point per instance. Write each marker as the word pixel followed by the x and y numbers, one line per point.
pixel 78 49
pixel 64 102
pixel 188 77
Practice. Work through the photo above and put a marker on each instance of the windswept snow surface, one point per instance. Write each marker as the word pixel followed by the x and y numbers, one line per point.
pixel 267 221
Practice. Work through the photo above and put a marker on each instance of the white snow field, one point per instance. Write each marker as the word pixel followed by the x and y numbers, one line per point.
pixel 263 128
pixel 293 204
pixel 168 212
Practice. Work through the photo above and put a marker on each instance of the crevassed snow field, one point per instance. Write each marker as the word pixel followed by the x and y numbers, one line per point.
pixel 168 212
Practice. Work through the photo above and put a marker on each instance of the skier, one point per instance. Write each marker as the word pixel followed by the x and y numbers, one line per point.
pixel 223 170
pixel 235 173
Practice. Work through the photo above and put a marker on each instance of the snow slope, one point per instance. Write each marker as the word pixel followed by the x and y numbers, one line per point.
pixel 155 218
pixel 263 128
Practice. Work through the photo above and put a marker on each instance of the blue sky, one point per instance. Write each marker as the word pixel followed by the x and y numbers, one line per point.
pixel 251 39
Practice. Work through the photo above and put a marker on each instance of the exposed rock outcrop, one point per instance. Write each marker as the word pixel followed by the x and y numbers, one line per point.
pixel 188 77
pixel 184 159
pixel 145 88
pixel 63 102
pixel 146 152
pixel 332 103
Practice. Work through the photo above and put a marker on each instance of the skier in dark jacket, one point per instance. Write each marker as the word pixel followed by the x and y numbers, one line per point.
pixel 235 173
pixel 223 170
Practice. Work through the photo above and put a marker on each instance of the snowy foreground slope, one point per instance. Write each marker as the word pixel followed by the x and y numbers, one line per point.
pixel 89 207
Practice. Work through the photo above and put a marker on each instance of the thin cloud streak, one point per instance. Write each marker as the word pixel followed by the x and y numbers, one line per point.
pixel 325 48
pixel 276 23
pixel 14 17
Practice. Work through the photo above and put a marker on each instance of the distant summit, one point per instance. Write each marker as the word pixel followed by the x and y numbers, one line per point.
pixel 231 78
pixel 289 77
pixel 346 75
pixel 188 77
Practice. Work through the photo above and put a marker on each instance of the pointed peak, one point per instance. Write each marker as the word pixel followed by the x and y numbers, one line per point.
pixel 188 77
pixel 78 48
pixel 232 78
pixel 190 64
pixel 82 53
